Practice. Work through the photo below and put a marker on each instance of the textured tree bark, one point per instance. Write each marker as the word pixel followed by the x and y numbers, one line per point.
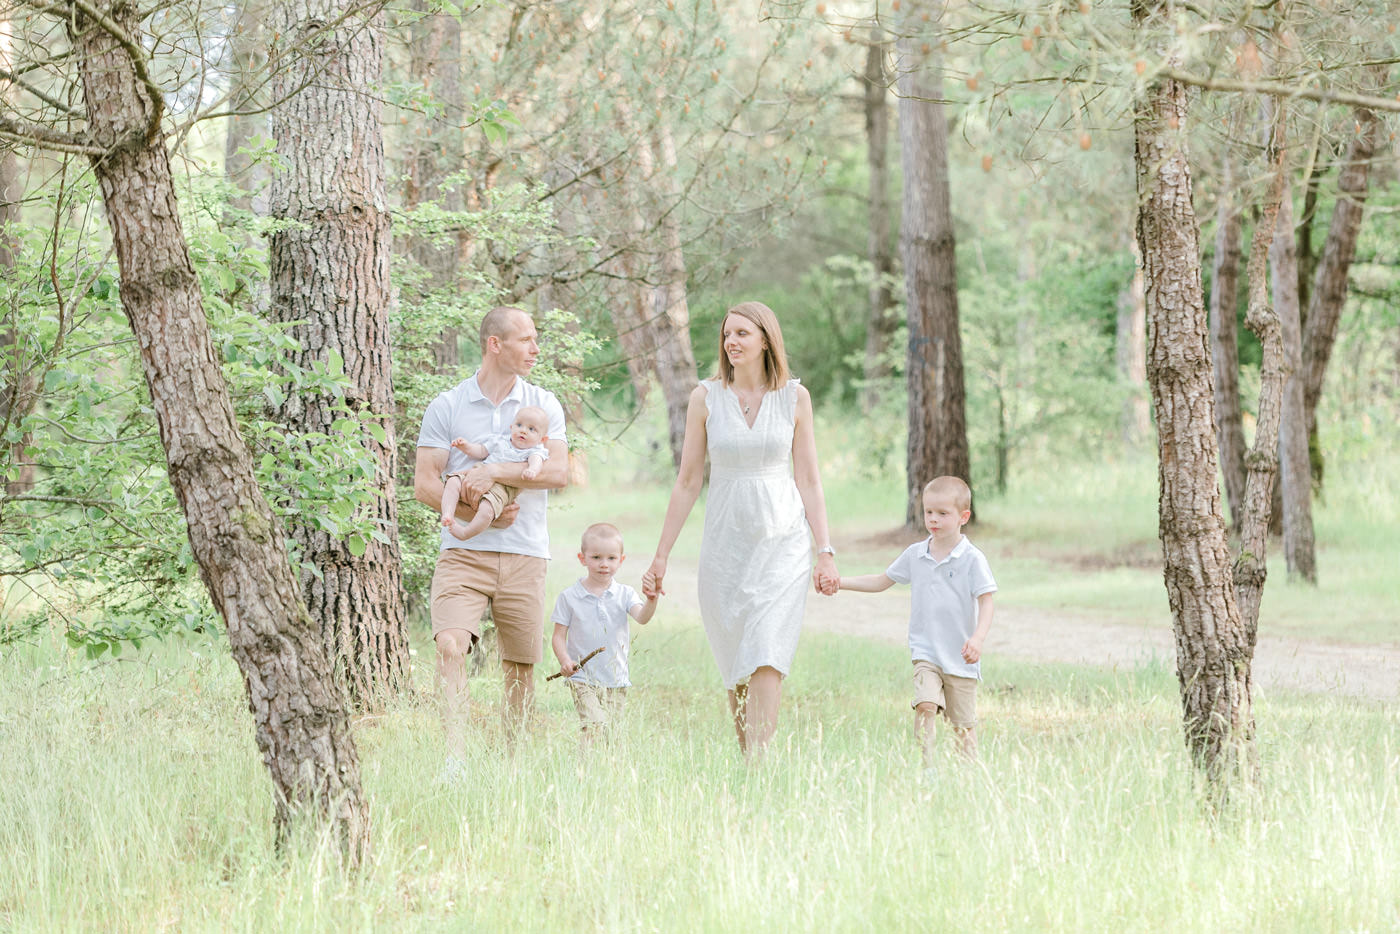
pixel 299 711
pixel 1330 286
pixel 1224 347
pixel 880 319
pixel 670 318
pixel 937 442
pixel 248 51
pixel 1213 651
pixel 18 384
pixel 1131 332
pixel 434 149
pixel 1295 478
pixel 1261 485
pixel 330 275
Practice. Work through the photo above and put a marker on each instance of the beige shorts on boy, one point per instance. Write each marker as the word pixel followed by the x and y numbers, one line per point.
pixel 465 581
pixel 955 697
pixel 596 705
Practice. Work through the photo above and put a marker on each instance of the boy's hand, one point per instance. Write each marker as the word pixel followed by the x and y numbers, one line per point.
pixel 651 580
pixel 567 666
pixel 459 444
pixel 529 473
pixel 972 651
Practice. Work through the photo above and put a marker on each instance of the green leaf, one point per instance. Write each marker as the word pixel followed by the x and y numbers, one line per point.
pixel 357 544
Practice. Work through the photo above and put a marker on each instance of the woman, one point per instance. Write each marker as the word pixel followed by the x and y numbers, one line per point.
pixel 753 420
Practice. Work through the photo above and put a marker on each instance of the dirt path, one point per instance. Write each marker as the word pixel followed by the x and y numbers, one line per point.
pixel 1371 672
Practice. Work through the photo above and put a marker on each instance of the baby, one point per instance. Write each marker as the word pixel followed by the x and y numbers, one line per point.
pixel 525 442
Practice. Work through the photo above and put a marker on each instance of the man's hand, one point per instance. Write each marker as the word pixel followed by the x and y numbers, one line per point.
pixel 476 481
pixel 507 517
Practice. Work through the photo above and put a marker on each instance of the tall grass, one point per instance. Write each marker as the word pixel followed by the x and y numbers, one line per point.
pixel 132 799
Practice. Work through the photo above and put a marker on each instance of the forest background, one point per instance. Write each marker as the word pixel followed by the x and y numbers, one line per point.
pixel 627 174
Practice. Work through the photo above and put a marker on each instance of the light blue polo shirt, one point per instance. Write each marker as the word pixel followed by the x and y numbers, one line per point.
pixel 943 602
pixel 465 412
pixel 595 621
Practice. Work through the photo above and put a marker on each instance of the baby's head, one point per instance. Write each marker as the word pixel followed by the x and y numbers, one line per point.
pixel 530 428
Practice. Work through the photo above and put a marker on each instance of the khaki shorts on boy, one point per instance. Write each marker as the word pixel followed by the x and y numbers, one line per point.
pixel 955 697
pixel 465 581
pixel 597 705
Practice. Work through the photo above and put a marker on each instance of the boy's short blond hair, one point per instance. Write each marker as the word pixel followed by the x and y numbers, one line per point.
pixel 954 487
pixel 604 531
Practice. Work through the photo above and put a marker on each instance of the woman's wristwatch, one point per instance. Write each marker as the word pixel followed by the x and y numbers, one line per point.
pixel 826 550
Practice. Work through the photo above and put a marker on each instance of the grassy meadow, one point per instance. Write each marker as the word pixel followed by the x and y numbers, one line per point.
pixel 132 797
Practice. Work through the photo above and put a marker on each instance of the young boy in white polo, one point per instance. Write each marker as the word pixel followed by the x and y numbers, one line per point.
pixel 950 613
pixel 593 613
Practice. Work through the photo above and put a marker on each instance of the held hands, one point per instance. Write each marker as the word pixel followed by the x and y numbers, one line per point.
pixel 972 650
pixel 651 580
pixel 824 576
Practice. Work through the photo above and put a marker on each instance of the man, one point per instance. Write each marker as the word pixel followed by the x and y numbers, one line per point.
pixel 504 565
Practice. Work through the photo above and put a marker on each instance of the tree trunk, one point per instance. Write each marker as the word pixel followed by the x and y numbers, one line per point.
pixel 330 274
pixel 1251 567
pixel 670 318
pixel 1224 347
pixel 299 710
pixel 18 384
pixel 934 371
pixel 1213 653
pixel 1294 475
pixel 1132 355
pixel 248 51
pixel 880 320
pixel 434 149
pixel 1330 287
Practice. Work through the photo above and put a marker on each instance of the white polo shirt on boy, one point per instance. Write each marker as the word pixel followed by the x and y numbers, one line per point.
pixel 943 603
pixel 595 621
pixel 465 412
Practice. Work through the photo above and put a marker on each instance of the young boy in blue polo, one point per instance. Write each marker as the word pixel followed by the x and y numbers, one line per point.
pixel 950 613
pixel 593 613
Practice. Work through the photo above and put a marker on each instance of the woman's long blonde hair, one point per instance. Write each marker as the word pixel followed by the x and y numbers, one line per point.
pixel 775 365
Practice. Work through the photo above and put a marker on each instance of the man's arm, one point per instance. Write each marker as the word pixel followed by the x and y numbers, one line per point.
pixel 428 487
pixel 554 474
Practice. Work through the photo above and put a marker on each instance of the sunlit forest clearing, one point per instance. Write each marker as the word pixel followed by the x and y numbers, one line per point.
pixel 1131 270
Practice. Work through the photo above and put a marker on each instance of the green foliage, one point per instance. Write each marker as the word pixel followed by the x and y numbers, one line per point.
pixel 99 543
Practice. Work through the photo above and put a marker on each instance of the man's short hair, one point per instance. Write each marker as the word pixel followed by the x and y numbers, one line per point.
pixel 600 531
pixel 497 322
pixel 955 487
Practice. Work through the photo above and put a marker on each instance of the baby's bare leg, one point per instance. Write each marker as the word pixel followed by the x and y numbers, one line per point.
pixel 485 515
pixel 451 496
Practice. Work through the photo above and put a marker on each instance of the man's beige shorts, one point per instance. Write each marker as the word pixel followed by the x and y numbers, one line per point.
pixel 597 705
pixel 955 698
pixel 465 581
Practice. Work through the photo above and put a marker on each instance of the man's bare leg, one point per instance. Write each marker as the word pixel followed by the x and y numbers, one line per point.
pixel 519 696
pixel 454 695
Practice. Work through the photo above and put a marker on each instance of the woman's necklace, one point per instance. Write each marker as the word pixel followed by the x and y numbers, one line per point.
pixel 749 403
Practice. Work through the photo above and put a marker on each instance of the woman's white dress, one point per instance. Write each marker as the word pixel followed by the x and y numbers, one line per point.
pixel 756 554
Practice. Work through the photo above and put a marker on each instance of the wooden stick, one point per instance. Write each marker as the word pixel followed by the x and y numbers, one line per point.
pixel 583 661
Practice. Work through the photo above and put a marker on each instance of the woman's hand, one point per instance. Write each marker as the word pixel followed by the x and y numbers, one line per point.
pixel 825 577
pixel 651 580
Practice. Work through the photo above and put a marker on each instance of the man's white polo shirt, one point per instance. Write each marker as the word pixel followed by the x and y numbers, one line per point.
pixel 464 412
